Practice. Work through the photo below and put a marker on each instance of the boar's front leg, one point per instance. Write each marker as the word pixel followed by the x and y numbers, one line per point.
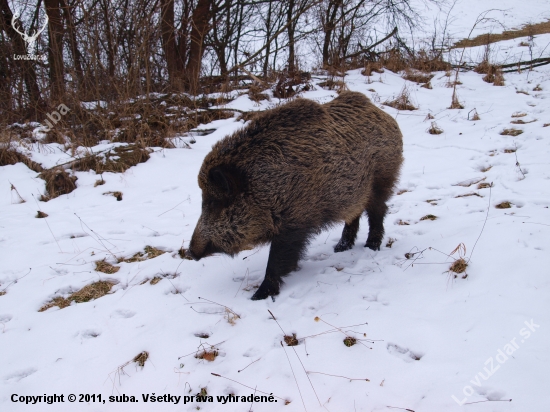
pixel 286 250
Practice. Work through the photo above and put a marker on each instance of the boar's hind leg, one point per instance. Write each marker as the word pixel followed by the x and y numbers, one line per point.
pixel 376 211
pixel 286 250
pixel 349 234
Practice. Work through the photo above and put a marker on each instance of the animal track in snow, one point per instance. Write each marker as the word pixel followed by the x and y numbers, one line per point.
pixel 17 376
pixel 403 353
pixel 123 313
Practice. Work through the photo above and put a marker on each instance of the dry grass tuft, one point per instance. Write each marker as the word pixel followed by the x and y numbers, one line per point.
pixel 402 223
pixel 475 117
pixel 504 205
pixel 141 358
pixel 149 252
pixel 427 85
pixel 183 254
pixel 402 101
pixel 417 76
pixel 291 340
pixel 434 129
pixel 58 182
pixel 2 292
pixel 106 267
pixel 349 341
pixel 92 291
pixel 371 67
pixel 209 355
pixel 473 193
pixel 117 160
pixel 390 242
pixel 488 38
pixel 41 215
pixel 522 92
pixel 521 121
pixel 87 293
pixel 60 302
pixel 332 84
pixel 519 114
pixel 513 150
pixel 155 280
pixel 230 316
pixel 537 88
pixel 546 125
pixel 498 78
pixel 459 266
pixel 117 195
pixel 255 92
pixel 428 217
pixel 455 104
pixel 493 74
pixel 400 192
pixel 511 132
pixel 9 156
pixel 484 185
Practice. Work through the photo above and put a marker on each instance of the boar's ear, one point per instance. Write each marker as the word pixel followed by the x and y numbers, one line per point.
pixel 226 179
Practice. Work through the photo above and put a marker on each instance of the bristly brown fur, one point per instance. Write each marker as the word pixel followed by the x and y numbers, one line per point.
pixel 294 171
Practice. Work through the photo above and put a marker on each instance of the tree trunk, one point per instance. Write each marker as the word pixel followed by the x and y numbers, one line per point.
pixel 55 52
pixel 329 26
pixel 199 28
pixel 74 48
pixel 169 44
pixel 291 26
pixel 267 36
pixel 37 105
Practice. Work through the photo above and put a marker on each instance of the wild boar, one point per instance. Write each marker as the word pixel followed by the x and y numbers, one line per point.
pixel 292 172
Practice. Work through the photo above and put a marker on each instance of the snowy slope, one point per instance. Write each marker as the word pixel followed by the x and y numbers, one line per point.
pixel 424 336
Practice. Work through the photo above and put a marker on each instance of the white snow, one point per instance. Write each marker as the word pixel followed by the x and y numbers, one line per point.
pixel 424 336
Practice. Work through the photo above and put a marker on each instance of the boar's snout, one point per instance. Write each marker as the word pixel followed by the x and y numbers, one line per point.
pixel 201 244
pixel 190 254
pixel 197 247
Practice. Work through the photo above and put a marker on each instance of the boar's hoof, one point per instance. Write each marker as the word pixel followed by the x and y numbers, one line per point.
pixel 342 246
pixel 266 289
pixel 373 244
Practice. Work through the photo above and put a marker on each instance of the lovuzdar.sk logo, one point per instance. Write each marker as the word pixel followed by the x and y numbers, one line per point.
pixel 30 40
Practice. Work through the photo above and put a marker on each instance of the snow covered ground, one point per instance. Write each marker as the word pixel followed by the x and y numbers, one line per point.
pixel 499 15
pixel 426 340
